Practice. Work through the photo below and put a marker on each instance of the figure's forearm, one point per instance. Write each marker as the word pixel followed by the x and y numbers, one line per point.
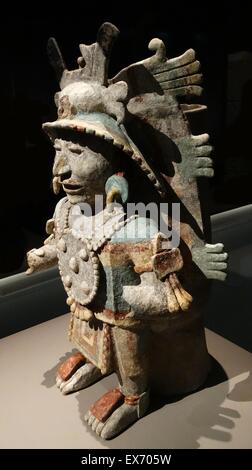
pixel 160 291
pixel 149 298
pixel 41 258
pixel 155 297
pixel 44 257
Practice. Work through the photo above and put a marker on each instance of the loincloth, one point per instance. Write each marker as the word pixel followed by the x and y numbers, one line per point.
pixel 93 340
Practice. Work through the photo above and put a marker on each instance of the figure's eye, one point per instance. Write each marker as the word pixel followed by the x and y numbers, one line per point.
pixel 57 148
pixel 77 150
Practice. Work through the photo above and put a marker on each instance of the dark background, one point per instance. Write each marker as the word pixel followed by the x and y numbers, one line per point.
pixel 28 84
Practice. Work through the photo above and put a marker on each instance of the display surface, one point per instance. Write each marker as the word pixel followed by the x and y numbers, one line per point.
pixel 218 416
pixel 136 295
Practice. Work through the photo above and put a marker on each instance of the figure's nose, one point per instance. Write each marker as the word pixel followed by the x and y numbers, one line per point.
pixel 65 175
pixel 61 167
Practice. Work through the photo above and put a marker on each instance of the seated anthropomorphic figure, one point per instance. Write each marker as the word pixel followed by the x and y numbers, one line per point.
pixel 130 310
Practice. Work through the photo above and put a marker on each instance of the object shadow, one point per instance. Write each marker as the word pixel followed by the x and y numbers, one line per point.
pixel 242 391
pixel 208 411
pixel 50 375
pixel 216 376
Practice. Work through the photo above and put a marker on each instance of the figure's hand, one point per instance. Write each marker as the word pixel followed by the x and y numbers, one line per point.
pixel 211 259
pixel 41 258
pixel 34 259
pixel 195 153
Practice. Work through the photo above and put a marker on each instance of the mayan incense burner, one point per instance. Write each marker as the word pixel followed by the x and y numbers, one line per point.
pixel 136 298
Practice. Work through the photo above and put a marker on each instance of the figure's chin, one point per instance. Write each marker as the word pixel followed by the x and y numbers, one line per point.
pixel 76 198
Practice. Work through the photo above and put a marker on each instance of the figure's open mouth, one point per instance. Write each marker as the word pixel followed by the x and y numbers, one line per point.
pixel 72 187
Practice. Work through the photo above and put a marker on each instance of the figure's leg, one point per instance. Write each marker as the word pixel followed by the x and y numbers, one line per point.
pixel 76 373
pixel 119 408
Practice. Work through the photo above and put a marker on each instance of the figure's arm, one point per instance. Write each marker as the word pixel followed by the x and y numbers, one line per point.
pixel 160 291
pixel 45 256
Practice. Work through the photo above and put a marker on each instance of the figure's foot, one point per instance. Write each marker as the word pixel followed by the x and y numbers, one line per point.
pixel 76 373
pixel 114 412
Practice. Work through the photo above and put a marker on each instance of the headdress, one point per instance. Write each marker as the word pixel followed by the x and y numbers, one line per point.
pixel 91 104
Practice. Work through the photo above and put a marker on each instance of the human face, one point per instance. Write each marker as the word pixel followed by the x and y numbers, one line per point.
pixel 82 168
